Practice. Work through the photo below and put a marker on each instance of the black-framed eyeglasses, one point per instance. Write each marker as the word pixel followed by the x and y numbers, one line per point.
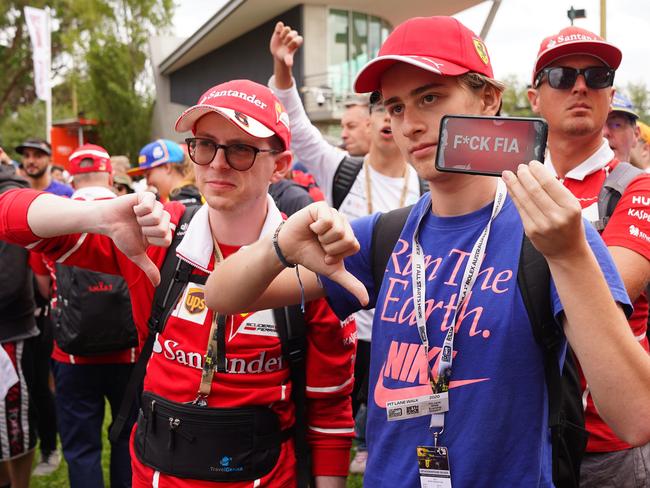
pixel 564 77
pixel 240 157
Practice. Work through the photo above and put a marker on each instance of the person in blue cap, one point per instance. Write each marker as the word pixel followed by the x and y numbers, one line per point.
pixel 621 129
pixel 165 166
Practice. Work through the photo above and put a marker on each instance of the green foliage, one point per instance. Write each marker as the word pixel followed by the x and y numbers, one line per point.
pixel 640 96
pixel 111 89
pixel 515 100
pixel 26 121
pixel 99 58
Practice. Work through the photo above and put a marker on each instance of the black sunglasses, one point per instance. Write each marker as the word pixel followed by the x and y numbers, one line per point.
pixel 563 77
pixel 240 157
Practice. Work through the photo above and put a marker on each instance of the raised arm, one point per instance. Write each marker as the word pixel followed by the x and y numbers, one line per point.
pixel 615 365
pixel 317 238
pixel 132 221
pixel 310 148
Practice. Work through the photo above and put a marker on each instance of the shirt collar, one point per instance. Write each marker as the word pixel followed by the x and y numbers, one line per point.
pixel 197 245
pixel 92 193
pixel 593 163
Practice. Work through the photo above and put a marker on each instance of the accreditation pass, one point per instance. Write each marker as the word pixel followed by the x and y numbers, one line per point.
pixel 433 465
pixel 417 407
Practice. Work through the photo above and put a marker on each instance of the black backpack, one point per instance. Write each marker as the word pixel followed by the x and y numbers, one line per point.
pixel 291 327
pixel 566 414
pixel 16 290
pixel 347 173
pixel 93 313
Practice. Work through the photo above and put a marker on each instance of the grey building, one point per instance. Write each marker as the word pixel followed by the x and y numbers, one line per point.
pixel 339 39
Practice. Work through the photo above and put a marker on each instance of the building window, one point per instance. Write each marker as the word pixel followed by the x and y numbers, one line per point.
pixel 353 39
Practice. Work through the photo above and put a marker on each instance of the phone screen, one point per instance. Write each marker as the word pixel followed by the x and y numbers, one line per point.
pixel 489 145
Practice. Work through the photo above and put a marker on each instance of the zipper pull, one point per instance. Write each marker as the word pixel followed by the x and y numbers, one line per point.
pixel 173 425
pixel 153 416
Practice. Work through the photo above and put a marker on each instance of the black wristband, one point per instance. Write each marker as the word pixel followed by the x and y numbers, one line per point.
pixel 278 251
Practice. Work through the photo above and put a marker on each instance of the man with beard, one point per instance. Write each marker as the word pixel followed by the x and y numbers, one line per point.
pixel 36 160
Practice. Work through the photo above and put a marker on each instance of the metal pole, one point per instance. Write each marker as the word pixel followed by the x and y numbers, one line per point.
pixel 603 19
pixel 490 18
pixel 48 78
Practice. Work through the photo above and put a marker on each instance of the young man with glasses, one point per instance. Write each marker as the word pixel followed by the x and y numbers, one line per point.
pixel 233 365
pixel 572 90
pixel 436 309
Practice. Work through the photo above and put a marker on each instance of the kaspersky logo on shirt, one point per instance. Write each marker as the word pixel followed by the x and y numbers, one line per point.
pixel 406 363
pixel 263 363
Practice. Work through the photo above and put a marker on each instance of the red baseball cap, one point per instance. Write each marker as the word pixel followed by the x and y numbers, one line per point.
pixel 250 106
pixel 574 40
pixel 441 45
pixel 89 158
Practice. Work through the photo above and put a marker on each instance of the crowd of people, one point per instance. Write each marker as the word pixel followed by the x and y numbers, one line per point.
pixel 228 298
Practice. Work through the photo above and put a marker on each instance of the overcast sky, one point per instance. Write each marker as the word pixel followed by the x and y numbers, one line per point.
pixel 517 31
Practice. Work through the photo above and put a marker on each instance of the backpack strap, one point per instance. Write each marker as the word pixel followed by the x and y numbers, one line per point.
pixel 568 439
pixel 384 238
pixel 610 193
pixel 344 178
pixel 174 275
pixel 292 331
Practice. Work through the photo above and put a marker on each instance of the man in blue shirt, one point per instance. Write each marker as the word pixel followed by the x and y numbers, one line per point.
pixel 36 160
pixel 449 311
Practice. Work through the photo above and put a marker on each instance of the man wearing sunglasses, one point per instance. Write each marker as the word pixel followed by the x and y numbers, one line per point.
pixel 572 90
pixel 211 372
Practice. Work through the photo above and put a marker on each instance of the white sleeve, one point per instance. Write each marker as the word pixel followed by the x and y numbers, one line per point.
pixel 307 143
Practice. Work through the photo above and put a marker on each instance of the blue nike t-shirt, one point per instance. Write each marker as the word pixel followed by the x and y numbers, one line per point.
pixel 496 428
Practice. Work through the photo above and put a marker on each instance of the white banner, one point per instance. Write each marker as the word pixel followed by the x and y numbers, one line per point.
pixel 39 33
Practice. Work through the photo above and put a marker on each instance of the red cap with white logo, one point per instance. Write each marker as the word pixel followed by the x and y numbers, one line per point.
pixel 250 106
pixel 89 158
pixel 574 40
pixel 441 45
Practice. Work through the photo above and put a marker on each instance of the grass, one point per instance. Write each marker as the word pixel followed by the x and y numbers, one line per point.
pixel 59 479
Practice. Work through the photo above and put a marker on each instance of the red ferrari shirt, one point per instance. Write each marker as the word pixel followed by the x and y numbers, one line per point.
pixel 257 374
pixel 628 227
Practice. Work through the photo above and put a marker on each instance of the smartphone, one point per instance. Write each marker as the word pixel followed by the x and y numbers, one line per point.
pixel 489 145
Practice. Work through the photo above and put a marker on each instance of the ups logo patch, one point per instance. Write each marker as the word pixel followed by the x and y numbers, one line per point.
pixel 195 300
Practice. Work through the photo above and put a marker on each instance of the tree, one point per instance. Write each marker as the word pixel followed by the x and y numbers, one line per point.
pixel 113 97
pixel 81 30
pixel 515 100
pixel 640 97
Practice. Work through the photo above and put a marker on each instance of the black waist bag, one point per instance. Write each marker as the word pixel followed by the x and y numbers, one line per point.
pixel 213 444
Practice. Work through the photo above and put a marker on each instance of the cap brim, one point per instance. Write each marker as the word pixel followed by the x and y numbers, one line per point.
pixel 141 169
pixel 608 54
pixel 245 122
pixel 136 171
pixel 368 78
pixel 20 149
pixel 626 111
